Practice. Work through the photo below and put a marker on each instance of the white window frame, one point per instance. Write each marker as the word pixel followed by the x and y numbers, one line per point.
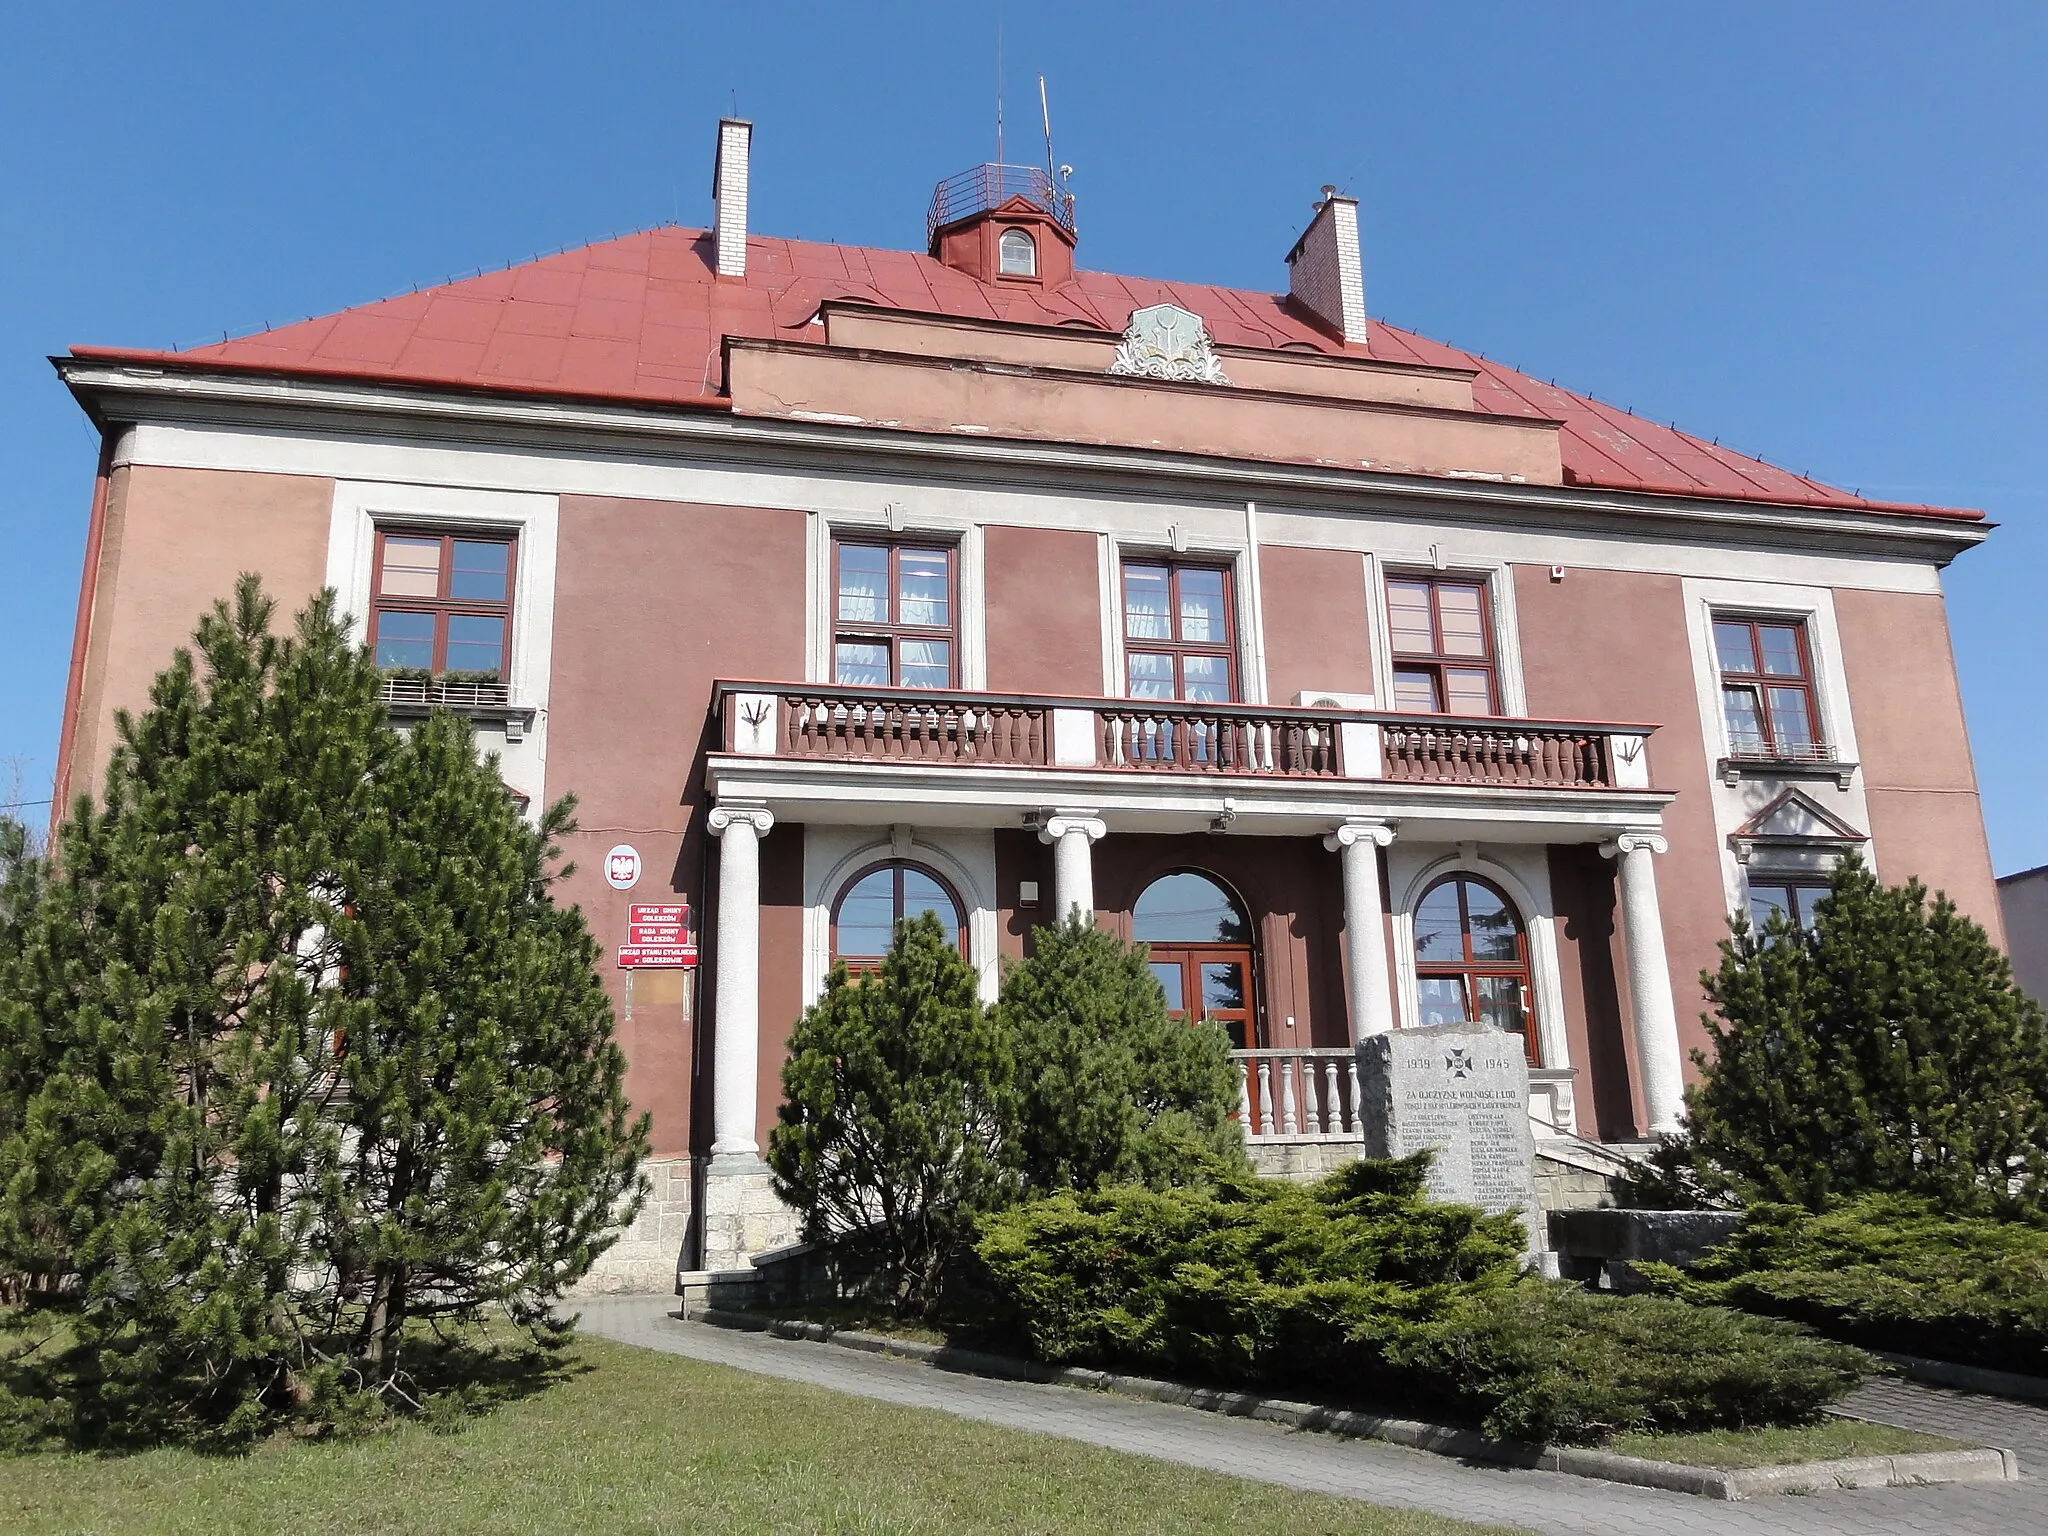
pixel 1524 874
pixel 823 530
pixel 1248 644
pixel 1499 579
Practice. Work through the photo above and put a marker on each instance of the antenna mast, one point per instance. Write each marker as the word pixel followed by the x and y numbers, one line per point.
pixel 999 93
pixel 1045 112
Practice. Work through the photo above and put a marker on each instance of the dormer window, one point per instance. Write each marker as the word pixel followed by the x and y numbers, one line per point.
pixel 1017 254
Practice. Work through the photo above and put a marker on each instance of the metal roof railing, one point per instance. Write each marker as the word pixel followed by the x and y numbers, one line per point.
pixel 990 186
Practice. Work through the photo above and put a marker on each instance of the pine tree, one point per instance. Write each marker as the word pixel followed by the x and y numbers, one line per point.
pixel 177 1020
pixel 1886 1050
pixel 1111 1089
pixel 897 1100
pixel 489 1142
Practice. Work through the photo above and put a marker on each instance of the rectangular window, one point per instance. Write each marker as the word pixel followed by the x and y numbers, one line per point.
pixel 1793 898
pixel 1442 646
pixel 1767 688
pixel 893 616
pixel 1179 641
pixel 442 603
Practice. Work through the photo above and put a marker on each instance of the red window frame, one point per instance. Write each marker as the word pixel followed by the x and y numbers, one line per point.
pixel 1436 660
pixel 894 632
pixel 860 964
pixel 1469 968
pixel 443 606
pixel 1179 649
pixel 1757 684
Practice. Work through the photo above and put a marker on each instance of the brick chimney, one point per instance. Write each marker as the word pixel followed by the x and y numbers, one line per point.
pixel 729 195
pixel 1326 275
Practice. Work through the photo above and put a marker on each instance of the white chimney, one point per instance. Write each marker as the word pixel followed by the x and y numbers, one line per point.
pixel 729 195
pixel 1325 272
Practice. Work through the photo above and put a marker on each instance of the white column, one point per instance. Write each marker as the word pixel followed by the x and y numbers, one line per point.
pixel 1073 835
pixel 1371 992
pixel 736 1030
pixel 1649 980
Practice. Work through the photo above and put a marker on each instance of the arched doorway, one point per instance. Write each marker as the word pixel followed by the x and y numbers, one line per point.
pixel 1201 952
pixel 1472 959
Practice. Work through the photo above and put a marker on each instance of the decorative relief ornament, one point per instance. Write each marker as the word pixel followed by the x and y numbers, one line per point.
pixel 1164 341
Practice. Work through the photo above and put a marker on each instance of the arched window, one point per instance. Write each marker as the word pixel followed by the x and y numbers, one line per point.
pixel 1017 254
pixel 1201 951
pixel 1472 958
pixel 864 917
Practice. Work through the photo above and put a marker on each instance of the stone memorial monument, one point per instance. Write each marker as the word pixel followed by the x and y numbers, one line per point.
pixel 1462 1089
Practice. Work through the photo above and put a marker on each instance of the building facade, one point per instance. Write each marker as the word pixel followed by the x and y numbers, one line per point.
pixel 1370 683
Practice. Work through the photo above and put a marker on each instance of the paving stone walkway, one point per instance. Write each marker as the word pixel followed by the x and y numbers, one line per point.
pixel 1392 1475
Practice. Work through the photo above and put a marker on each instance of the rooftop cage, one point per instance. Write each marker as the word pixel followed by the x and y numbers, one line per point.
pixel 990 186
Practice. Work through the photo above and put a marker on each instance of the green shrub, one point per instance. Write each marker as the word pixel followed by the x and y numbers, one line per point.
pixel 1889 1272
pixel 1361 1287
pixel 1110 1088
pixel 1886 1050
pixel 897 1096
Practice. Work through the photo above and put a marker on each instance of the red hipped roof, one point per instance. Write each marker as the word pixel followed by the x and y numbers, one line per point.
pixel 641 319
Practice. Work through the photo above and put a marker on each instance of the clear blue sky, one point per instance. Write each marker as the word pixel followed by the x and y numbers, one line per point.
pixel 1816 231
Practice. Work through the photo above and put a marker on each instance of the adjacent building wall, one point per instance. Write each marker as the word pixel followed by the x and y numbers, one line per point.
pixel 654 601
pixel 1044 618
pixel 1918 780
pixel 1317 623
pixel 1612 645
pixel 173 542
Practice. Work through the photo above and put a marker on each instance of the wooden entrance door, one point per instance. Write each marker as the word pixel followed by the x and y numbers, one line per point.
pixel 1209 982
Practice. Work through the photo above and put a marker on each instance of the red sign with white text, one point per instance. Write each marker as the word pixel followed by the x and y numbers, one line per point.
pixel 657 957
pixel 657 937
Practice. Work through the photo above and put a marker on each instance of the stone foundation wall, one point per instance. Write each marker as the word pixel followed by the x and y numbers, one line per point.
pixel 1563 1187
pixel 649 1252
pixel 1301 1161
pixel 743 1215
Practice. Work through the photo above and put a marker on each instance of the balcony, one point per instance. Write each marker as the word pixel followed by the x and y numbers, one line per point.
pixel 915 728
pixel 411 696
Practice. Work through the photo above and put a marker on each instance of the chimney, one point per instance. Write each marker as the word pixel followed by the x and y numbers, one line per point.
pixel 729 195
pixel 1325 272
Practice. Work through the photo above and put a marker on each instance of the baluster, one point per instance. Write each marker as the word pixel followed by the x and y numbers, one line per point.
pixel 1265 1096
pixel 1333 1106
pixel 1352 1123
pixel 1289 1124
pixel 1311 1117
pixel 1244 1096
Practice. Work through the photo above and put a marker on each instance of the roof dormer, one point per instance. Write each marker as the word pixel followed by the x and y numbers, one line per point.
pixel 1004 225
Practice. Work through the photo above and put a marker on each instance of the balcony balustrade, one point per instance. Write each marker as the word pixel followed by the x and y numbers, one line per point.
pixel 1312 1096
pixel 1237 741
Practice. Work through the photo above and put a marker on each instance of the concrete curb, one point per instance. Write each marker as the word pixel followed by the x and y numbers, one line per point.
pixel 1968 1378
pixel 1965 1466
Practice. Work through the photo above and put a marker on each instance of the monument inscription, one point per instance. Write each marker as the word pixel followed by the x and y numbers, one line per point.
pixel 1462 1089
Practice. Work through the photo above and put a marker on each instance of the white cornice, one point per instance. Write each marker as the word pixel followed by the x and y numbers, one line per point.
pixel 124 393
pixel 994 796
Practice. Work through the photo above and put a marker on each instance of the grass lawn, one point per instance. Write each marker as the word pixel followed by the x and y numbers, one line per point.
pixel 1733 1449
pixel 639 1441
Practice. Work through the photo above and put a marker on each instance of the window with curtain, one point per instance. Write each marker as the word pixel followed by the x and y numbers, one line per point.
pixel 442 603
pixel 1179 639
pixel 893 615
pixel 1442 646
pixel 1017 254
pixel 1767 688
pixel 870 905
pixel 1472 959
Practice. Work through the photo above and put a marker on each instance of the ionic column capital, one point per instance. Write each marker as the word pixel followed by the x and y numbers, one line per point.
pixel 1631 842
pixel 1060 823
pixel 1347 833
pixel 722 816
